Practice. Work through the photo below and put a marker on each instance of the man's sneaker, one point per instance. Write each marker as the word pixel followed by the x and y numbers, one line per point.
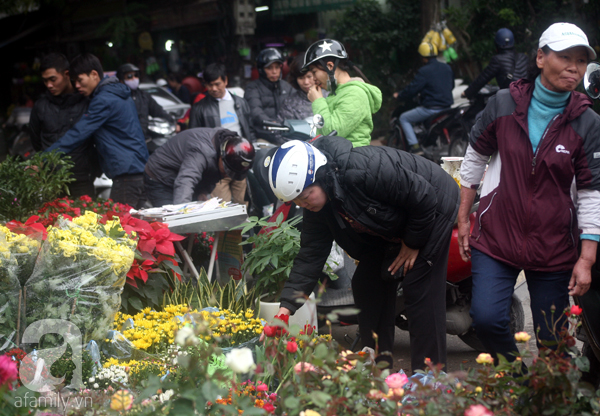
pixel 415 149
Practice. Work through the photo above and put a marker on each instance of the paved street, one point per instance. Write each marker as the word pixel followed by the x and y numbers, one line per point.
pixel 460 355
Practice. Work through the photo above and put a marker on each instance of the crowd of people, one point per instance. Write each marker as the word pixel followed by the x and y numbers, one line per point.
pixel 391 210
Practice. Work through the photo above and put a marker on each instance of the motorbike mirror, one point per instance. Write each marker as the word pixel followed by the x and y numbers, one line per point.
pixel 591 80
pixel 317 123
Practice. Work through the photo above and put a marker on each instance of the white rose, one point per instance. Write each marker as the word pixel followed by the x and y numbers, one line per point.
pixel 92 379
pixel 185 336
pixel 96 385
pixel 240 360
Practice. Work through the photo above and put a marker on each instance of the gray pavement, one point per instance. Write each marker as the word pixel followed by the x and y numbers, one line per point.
pixel 459 355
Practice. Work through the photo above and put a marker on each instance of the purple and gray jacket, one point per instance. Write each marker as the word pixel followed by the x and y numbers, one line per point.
pixel 534 206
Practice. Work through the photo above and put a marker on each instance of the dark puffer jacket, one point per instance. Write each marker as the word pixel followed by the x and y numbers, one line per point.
pixel 391 193
pixel 296 106
pixel 113 122
pixel 147 106
pixel 188 162
pixel 506 62
pixel 205 113
pixel 51 117
pixel 265 98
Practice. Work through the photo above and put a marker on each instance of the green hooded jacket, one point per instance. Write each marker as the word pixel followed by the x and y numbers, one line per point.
pixel 349 111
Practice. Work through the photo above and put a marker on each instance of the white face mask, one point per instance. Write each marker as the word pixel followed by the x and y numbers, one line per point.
pixel 133 83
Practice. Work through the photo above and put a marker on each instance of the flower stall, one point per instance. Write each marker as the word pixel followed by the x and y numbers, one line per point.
pixel 154 343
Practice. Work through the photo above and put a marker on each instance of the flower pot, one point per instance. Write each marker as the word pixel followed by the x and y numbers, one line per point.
pixel 307 314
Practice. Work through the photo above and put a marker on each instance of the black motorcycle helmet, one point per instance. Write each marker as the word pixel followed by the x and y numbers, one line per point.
pixel 266 57
pixel 237 154
pixel 504 38
pixel 125 68
pixel 323 51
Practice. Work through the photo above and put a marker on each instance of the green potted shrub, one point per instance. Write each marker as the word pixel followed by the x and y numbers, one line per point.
pixel 270 263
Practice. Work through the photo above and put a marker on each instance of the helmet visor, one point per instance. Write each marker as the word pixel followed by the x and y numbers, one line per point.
pixel 236 176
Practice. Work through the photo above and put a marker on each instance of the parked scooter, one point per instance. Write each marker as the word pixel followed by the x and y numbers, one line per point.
pixel 160 131
pixel 590 301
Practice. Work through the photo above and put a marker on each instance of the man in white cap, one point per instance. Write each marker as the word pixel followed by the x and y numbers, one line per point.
pixel 540 137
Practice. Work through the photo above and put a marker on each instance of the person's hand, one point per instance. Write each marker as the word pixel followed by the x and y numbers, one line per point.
pixel 203 197
pixel 177 128
pixel 314 93
pixel 395 95
pixel 463 95
pixel 282 311
pixel 581 279
pixel 464 231
pixel 406 257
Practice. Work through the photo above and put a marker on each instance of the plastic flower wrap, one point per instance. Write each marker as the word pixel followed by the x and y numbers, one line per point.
pixel 80 274
pixel 17 258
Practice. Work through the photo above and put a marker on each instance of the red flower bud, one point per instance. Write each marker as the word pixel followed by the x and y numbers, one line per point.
pixel 292 347
pixel 576 310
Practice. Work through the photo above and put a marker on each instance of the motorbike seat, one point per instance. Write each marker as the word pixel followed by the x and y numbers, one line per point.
pixel 438 116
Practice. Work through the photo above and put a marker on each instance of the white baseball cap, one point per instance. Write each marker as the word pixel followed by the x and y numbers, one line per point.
pixel 561 36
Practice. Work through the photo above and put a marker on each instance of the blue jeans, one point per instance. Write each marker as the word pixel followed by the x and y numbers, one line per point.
pixel 493 286
pixel 410 117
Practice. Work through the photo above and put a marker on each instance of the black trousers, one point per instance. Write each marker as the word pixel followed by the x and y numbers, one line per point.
pixel 424 299
pixel 129 189
pixel 158 193
pixel 81 188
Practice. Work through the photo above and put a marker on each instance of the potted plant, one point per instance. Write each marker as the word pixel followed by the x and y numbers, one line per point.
pixel 270 263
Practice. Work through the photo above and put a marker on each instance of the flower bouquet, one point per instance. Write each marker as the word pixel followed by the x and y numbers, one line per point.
pixel 80 274
pixel 17 258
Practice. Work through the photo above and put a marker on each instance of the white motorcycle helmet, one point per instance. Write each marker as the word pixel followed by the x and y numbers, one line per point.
pixel 293 168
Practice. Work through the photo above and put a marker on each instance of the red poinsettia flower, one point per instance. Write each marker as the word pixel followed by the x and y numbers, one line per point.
pixel 140 271
pixel 30 228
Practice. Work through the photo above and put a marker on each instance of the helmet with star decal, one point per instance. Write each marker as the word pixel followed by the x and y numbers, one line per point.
pixel 325 48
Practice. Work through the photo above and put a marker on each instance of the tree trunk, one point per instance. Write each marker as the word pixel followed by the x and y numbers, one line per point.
pixel 430 14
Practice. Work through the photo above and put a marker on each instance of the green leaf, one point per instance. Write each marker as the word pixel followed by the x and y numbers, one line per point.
pixel 319 398
pixel 136 303
pixel 182 407
pixel 291 403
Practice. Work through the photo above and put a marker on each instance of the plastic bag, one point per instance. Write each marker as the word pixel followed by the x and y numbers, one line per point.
pixel 18 253
pixel 79 275
pixel 335 261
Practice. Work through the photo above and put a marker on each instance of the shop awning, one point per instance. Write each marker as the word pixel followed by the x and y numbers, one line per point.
pixel 289 7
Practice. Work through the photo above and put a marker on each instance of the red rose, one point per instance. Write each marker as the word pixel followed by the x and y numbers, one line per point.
pixel 269 407
pixel 576 310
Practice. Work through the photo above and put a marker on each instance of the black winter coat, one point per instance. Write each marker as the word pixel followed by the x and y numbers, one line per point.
pixel 205 113
pixel 188 162
pixel 506 62
pixel 265 98
pixel 392 193
pixel 51 117
pixel 147 106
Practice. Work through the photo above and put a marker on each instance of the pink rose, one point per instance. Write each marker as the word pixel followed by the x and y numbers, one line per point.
pixel 8 370
pixel 396 380
pixel 262 387
pixel 478 410
pixel 303 367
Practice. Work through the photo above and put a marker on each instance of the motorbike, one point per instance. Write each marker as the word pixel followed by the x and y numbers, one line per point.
pixel 159 132
pixel 589 332
pixel 445 133
pixel 338 294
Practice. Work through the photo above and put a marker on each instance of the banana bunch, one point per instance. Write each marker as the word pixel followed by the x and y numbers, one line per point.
pixel 443 39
